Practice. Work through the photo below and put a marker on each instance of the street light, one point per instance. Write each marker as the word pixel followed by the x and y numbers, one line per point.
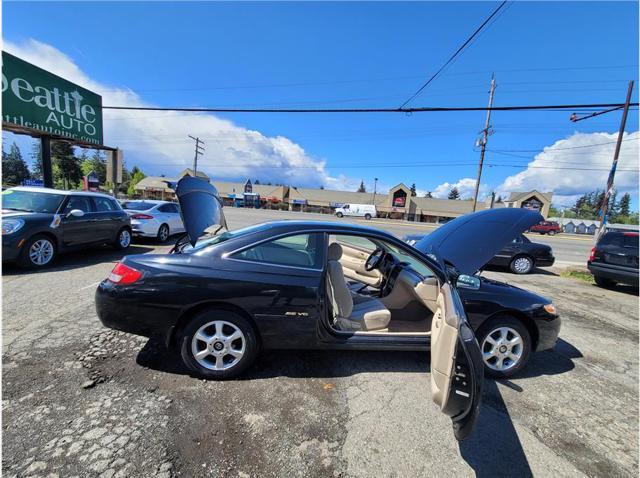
pixel 375 187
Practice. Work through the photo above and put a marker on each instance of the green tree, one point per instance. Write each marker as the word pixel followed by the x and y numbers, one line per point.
pixel 428 195
pixel 96 163
pixel 413 190
pixel 66 172
pixel 362 188
pixel 14 168
pixel 454 193
pixel 499 198
pixel 136 176
pixel 624 207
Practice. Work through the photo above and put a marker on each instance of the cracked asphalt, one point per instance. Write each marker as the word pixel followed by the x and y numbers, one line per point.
pixel 82 400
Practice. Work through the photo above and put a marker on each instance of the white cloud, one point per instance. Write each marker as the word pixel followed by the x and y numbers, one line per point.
pixel 568 184
pixel 465 186
pixel 157 141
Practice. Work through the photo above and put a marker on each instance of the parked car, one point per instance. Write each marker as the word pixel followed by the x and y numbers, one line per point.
pixel 39 223
pixel 614 259
pixel 358 210
pixel 546 227
pixel 284 285
pixel 159 219
pixel 520 255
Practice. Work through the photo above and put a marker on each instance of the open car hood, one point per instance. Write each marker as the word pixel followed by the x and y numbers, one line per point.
pixel 200 206
pixel 470 241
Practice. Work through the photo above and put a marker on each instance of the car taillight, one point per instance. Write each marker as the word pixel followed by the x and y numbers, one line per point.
pixel 592 256
pixel 124 275
pixel 141 216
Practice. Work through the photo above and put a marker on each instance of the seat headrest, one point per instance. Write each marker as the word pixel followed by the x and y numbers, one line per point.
pixel 334 252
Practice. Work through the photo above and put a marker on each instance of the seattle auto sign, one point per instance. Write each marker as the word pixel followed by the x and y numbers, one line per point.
pixel 34 99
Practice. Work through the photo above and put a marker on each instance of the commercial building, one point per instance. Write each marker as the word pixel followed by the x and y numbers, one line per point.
pixel 398 203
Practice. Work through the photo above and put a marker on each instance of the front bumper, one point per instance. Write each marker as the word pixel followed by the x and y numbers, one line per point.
pixel 548 331
pixel 626 275
pixel 11 247
pixel 545 261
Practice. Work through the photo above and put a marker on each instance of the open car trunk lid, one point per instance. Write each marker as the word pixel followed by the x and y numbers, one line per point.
pixel 200 206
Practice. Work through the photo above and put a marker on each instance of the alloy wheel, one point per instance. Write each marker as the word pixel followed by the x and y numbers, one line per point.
pixel 218 345
pixel 163 234
pixel 522 265
pixel 125 238
pixel 502 349
pixel 41 252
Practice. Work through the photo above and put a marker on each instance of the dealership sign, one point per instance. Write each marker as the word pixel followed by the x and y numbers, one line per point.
pixel 34 99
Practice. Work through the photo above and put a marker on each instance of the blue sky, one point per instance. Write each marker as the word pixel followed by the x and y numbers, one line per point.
pixel 349 55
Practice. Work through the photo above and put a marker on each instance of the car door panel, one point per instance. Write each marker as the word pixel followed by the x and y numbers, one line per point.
pixel 78 230
pixel 353 261
pixel 456 363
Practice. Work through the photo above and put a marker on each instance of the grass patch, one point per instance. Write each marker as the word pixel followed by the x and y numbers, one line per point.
pixel 580 275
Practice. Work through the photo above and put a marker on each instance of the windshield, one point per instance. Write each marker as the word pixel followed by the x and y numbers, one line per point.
pixel 138 205
pixel 31 201
pixel 225 236
pixel 404 256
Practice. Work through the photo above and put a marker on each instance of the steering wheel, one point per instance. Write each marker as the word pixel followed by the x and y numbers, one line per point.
pixel 374 259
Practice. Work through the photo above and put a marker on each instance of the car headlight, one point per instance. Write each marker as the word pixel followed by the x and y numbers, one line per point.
pixel 550 308
pixel 9 226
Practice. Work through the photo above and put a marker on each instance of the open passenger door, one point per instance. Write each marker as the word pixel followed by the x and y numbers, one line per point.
pixel 457 372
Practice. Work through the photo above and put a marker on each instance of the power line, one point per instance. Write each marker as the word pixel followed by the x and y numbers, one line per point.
pixel 458 52
pixel 594 145
pixel 369 110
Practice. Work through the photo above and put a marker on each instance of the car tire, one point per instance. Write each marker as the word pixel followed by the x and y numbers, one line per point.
pixel 217 325
pixel 367 217
pixel 38 252
pixel 163 233
pixel 604 282
pixel 521 264
pixel 503 330
pixel 339 214
pixel 123 239
pixel 552 233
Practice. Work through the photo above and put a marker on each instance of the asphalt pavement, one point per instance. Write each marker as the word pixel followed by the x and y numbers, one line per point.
pixel 81 400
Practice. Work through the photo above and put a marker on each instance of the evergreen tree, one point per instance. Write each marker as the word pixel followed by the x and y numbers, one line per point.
pixel 14 168
pixel 624 206
pixel 96 163
pixel 257 181
pixel 321 187
pixel 413 190
pixel 454 194
pixel 428 195
pixel 499 199
pixel 362 189
pixel 66 171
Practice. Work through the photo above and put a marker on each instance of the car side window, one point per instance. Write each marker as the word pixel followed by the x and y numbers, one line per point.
pixel 300 250
pixel 165 208
pixel 78 202
pixel 104 204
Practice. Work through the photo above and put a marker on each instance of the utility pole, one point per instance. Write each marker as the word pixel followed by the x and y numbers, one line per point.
pixel 198 150
pixel 483 140
pixel 605 203
pixel 375 187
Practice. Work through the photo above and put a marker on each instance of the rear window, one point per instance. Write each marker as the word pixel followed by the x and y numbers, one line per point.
pixel 630 240
pixel 137 205
pixel 225 236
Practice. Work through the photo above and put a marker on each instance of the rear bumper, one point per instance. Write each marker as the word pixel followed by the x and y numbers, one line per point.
pixel 622 274
pixel 145 228
pixel 123 309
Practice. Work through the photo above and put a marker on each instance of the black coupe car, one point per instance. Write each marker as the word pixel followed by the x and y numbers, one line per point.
pixel 520 255
pixel 286 285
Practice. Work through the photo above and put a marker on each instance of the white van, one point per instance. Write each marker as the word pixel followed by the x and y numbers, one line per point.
pixel 361 210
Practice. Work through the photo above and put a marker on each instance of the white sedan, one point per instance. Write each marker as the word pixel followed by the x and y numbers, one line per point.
pixel 158 219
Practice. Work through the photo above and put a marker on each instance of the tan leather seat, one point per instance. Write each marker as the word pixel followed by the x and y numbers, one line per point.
pixel 351 311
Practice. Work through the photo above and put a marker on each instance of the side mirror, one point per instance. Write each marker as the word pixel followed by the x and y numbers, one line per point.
pixel 468 282
pixel 76 213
